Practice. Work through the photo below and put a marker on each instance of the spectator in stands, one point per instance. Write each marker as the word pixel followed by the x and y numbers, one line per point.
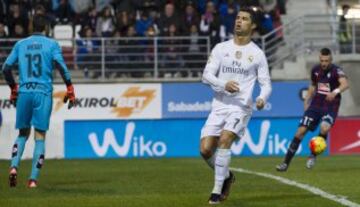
pixel 171 58
pixel 123 21
pixel 24 5
pixel 201 6
pixel 105 25
pixel 345 30
pixel 64 12
pixel 89 19
pixel 228 22
pixel 277 24
pixel 191 17
pixel 168 18
pixel 133 51
pixel 150 33
pixel 193 56
pixel 194 39
pixel 210 23
pixel 148 61
pixel 143 23
pixel 154 15
pixel 17 17
pixel 124 5
pixel 112 58
pixel 3 9
pixel 46 4
pixel 3 34
pixel 248 3
pixel 87 49
pixel 224 6
pixel 5 46
pixel 81 6
pixel 41 10
pixel 19 31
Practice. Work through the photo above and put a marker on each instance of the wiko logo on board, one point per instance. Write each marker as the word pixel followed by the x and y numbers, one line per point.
pixel 140 147
pixel 271 143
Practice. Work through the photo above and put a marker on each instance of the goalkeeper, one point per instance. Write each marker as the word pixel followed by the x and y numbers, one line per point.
pixel 32 98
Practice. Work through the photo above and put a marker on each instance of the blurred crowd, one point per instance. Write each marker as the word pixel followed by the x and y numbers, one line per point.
pixel 106 18
pixel 137 18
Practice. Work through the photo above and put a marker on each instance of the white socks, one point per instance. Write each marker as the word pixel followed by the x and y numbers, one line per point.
pixel 211 161
pixel 222 162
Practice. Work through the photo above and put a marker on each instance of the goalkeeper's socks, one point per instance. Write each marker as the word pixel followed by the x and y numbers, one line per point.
pixel 222 162
pixel 38 158
pixel 17 151
pixel 292 150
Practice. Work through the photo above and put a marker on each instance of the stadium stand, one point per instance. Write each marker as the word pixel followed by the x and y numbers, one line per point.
pixel 171 39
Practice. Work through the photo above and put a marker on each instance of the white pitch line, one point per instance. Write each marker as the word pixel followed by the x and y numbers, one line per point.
pixel 339 199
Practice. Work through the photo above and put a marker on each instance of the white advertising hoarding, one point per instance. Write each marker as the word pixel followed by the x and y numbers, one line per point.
pixel 93 101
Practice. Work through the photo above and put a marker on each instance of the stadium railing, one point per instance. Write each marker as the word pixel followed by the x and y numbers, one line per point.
pixel 184 58
pixel 307 34
pixel 135 57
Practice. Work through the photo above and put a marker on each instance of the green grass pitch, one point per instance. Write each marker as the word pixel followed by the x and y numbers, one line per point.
pixel 179 182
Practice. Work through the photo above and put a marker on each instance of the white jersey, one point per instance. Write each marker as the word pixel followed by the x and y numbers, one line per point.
pixel 244 64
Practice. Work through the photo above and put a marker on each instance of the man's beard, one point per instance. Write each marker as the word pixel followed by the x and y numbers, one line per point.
pixel 238 33
pixel 241 33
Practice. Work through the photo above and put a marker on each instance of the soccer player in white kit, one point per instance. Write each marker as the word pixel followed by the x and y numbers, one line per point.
pixel 231 71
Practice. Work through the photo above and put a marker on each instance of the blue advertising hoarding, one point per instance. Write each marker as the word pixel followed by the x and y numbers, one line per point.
pixel 193 100
pixel 172 138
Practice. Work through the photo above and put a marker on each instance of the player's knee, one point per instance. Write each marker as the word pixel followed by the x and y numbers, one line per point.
pixel 39 134
pixel 324 128
pixel 205 152
pixel 226 139
pixel 24 132
pixel 225 142
pixel 299 135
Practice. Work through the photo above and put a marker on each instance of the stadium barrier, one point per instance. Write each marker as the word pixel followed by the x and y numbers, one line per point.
pixel 172 138
pixel 159 120
pixel 345 136
pixel 193 100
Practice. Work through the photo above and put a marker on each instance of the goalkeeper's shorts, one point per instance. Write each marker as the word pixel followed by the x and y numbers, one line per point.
pixel 33 109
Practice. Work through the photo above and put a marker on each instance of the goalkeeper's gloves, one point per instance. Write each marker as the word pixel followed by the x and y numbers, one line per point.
pixel 70 96
pixel 14 94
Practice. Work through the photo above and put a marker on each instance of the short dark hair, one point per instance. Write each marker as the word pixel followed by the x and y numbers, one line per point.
pixel 345 6
pixel 325 51
pixel 251 11
pixel 39 23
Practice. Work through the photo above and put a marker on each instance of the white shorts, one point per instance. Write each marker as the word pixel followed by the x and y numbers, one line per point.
pixel 234 121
